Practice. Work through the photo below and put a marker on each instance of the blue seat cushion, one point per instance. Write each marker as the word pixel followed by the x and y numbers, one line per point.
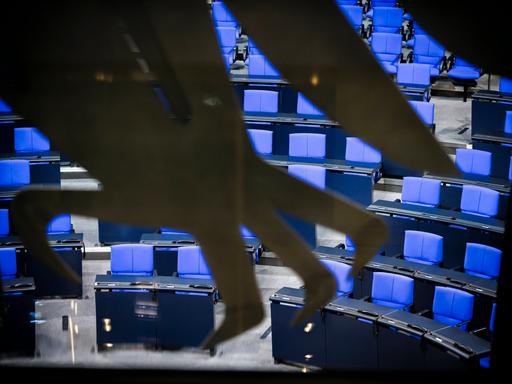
pixel 196 276
pixel 306 107
pixel 134 259
pixel 311 174
pixel 30 139
pixel 307 145
pixel 508 122
pixel 357 150
pixel 473 161
pixel 8 263
pixel 342 275
pixel 14 173
pixel 392 290
pixel 60 224
pixel 259 65
pixel 256 100
pixel 482 260
pixel 480 201
pixel 424 110
pixel 421 190
pixel 413 75
pixel 191 262
pixel 423 247
pixel 4 222
pixel 452 306
pixel 261 140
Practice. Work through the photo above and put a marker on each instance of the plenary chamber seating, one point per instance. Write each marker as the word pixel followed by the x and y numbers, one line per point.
pixel 60 224
pixel 473 161
pixel 8 268
pixel 414 76
pixel 30 140
pixel 227 42
pixel 14 173
pixel 479 201
pixel 131 259
pixel 391 290
pixel 463 73
pixel 505 85
pixel 386 20
pixel 256 100
pixel 358 151
pixel 421 191
pixel 306 107
pixel 354 15
pixel 342 275
pixel 221 15
pixel 453 307
pixel 425 111
pixel 192 263
pixel 4 222
pixel 387 47
pixel 508 122
pixel 307 145
pixel 423 247
pixel 261 140
pixel 426 50
pixel 482 261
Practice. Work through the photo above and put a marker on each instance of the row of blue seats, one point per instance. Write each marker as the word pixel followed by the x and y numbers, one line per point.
pixel 60 224
pixel 30 140
pixel 478 162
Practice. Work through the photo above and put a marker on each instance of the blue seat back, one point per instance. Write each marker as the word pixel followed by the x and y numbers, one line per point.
pixel 131 259
pixel 306 107
pixel 169 231
pixel 349 244
pixel 452 306
pixel 482 261
pixel 256 100
pixel 60 224
pixel 423 247
pixel 4 108
pixel 392 290
pixel 222 16
pixel 342 275
pixel 357 150
pixel 14 173
pixel 387 19
pixel 30 139
pixel 261 140
pixel 384 3
pixel 416 75
pixel 4 222
pixel 227 38
pixel 259 65
pixel 311 174
pixel 505 85
pixel 464 63
pixel 493 317
pixel 245 232
pixel 421 191
pixel 353 13
pixel 386 45
pixel 473 161
pixel 192 263
pixel 8 263
pixel 425 47
pixel 508 122
pixel 307 145
pixel 479 201
pixel 424 110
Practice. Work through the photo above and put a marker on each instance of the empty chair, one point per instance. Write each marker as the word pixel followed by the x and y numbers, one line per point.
pixel 306 107
pixel 349 244
pixel 413 75
pixel 342 275
pixel 256 100
pixel 307 145
pixel 14 173
pixel 463 70
pixel 387 47
pixel 8 263
pixel 354 15
pixel 261 140
pixel 508 122
pixel 245 232
pixel 60 224
pixel 423 247
pixel 311 174
pixel 226 37
pixel 4 222
pixel 482 261
pixel 428 51
pixel 221 15
pixel 424 110
pixel 192 264
pixel 357 150
pixel 421 191
pixel 131 259
pixel 4 108
pixel 505 85
pixel 479 201
pixel 259 65
pixel 386 19
pixel 392 290
pixel 473 161
pixel 29 139
pixel 452 306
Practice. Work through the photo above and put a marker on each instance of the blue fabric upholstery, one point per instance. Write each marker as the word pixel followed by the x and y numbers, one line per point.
pixel 384 3
pixel 421 191
pixel 508 122
pixel 424 110
pixel 428 51
pixel 4 108
pixel 311 174
pixel 261 140
pixel 8 263
pixel 463 70
pixel 306 107
pixel 493 317
pixel 169 231
pixel 505 85
pixel 510 169
pixel 60 224
pixel 4 222
pixel 473 161
pixel 479 201
pixel 423 247
pixel 14 173
pixel 387 19
pixel 259 65
pixel 349 245
pixel 353 13
pixel 227 38
pixel 221 15
pixel 342 275
pixel 29 139
pixel 192 264
pixel 413 75
pixel 452 306
pixel 256 100
pixel 307 145
pixel 387 48
pixel 392 290
pixel 357 150
pixel 131 259
pixel 482 261
pixel 245 232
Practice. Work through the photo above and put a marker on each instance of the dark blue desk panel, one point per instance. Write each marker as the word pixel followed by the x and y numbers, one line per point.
pixel 303 343
pixel 157 311
pixel 18 306
pixel 166 249
pixel 488 111
pixel 115 233
pixel 500 145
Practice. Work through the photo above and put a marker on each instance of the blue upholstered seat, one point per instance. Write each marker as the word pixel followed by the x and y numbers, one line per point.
pixel 424 110
pixel 14 173
pixel 245 232
pixel 357 150
pixel 192 264
pixel 4 108
pixel 479 201
pixel 423 247
pixel 342 275
pixel 392 290
pixel 349 244
pixel 8 263
pixel 505 85
pixel 421 191
pixel 413 75
pixel 384 3
pixel 307 145
pixel 171 231
pixel 256 100
pixel 4 222
pixel 30 139
pixel 428 51
pixel 386 19
pixel 482 261
pixel 311 174
pixel 452 306
pixel 508 122
pixel 353 13
pixel 131 259
pixel 306 107
pixel 473 161
pixel 221 15
pixel 463 70
pixel 261 140
pixel 60 224
pixel 259 65
pixel 227 38
pixel 346 2
pixel 387 48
